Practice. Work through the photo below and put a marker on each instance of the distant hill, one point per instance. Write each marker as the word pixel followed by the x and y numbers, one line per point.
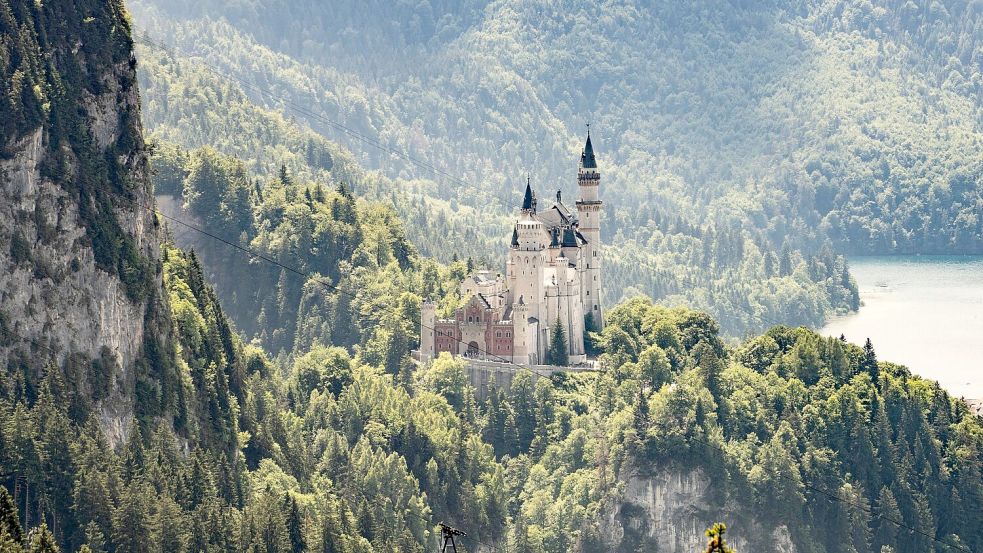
pixel 856 126
pixel 856 121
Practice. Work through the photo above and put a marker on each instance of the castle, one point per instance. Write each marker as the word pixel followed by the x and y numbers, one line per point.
pixel 553 276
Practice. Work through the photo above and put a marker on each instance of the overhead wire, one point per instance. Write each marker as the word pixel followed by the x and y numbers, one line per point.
pixel 320 280
pixel 435 170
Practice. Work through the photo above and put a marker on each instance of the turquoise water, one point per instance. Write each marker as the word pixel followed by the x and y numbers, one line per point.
pixel 924 312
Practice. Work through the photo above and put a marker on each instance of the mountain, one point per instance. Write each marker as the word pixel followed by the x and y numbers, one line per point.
pixel 136 415
pixel 709 227
pixel 81 276
pixel 864 117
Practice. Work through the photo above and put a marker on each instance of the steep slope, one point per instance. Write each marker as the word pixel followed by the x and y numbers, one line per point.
pixel 330 452
pixel 727 267
pixel 864 117
pixel 80 278
pixel 856 124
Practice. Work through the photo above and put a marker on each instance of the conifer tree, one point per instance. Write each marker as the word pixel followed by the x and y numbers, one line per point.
pixel 558 352
pixel 888 515
pixel 9 519
pixel 295 528
pixel 717 543
pixel 132 523
pixel 521 399
pixel 41 540
pixel 785 261
pixel 868 362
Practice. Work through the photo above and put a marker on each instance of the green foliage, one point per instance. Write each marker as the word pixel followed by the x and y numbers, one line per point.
pixel 355 294
pixel 54 93
pixel 322 369
pixel 717 543
pixel 558 352
pixel 715 263
pixel 230 451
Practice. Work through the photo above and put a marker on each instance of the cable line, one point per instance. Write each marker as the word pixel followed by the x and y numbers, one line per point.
pixel 320 280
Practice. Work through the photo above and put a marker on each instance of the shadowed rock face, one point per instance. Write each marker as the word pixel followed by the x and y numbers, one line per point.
pixel 668 512
pixel 61 301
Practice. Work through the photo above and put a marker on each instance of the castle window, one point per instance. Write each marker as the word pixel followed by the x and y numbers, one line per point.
pixel 588 292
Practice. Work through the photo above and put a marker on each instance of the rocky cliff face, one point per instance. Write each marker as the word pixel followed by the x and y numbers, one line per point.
pixel 79 277
pixel 669 511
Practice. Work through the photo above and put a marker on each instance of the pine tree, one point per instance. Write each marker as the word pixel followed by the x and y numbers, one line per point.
pixel 888 515
pixel 41 540
pixel 169 526
pixel 710 367
pixel 717 543
pixel 132 525
pixel 496 419
pixel 558 352
pixel 785 261
pixel 521 399
pixel 868 362
pixel 295 527
pixel 9 519
pixel 397 348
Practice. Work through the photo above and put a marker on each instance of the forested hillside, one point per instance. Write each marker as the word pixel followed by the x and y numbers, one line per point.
pixel 864 117
pixel 744 274
pixel 136 416
pixel 336 268
pixel 332 454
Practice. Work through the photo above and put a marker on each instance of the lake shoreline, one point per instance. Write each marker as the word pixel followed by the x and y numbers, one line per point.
pixel 921 311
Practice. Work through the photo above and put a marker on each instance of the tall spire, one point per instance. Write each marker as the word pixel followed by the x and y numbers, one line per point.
pixel 529 200
pixel 587 160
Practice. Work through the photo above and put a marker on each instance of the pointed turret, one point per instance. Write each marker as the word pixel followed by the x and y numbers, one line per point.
pixel 529 200
pixel 590 210
pixel 515 237
pixel 587 160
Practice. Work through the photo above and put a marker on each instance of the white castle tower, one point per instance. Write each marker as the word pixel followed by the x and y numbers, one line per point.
pixel 591 208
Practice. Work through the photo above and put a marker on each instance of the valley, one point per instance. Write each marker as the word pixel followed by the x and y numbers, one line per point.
pixel 250 257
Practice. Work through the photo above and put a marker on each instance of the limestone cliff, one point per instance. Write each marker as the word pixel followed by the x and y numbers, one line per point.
pixel 79 270
pixel 667 511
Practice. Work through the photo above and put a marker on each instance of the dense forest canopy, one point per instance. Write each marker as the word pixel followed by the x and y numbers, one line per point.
pixel 334 453
pixel 280 411
pixel 731 269
pixel 850 125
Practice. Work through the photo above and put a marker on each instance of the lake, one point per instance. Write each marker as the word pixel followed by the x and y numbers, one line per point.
pixel 924 312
